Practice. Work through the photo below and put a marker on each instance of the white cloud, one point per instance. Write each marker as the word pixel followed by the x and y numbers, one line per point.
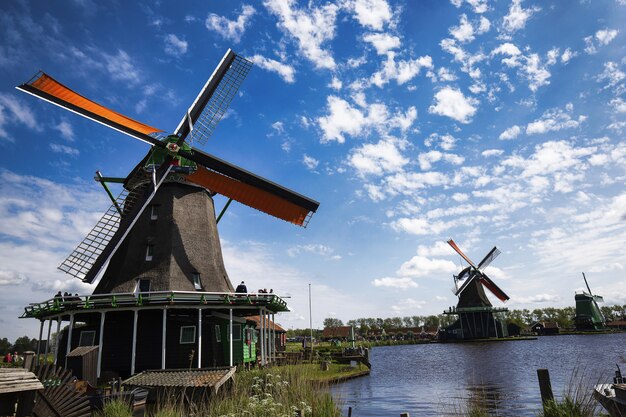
pixel 464 32
pixel 426 159
pixel 121 68
pixel 452 103
pixel 517 17
pixel 408 306
pixel 11 278
pixel 335 84
pixel 310 28
pixel 66 130
pixel 613 75
pixel 373 14
pixel 510 133
pixel 619 105
pixel 382 42
pixel 422 266
pixel 344 119
pixel 420 226
pixel 492 152
pixel 554 120
pixel 12 112
pixel 605 36
pixel 68 150
pixel 567 55
pixel 401 71
pixel 232 30
pixel 175 46
pixel 316 249
pixel 310 162
pixel 445 142
pixel 401 283
pixel 285 71
pixel 478 6
pixel 379 158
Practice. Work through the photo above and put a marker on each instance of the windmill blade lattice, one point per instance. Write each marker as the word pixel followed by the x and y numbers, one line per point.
pixel 489 258
pixel 80 261
pixel 214 99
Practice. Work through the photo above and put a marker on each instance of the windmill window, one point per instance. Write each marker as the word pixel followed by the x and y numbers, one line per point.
pixel 236 333
pixel 187 334
pixel 143 285
pixel 196 281
pixel 218 334
pixel 149 252
pixel 154 212
pixel 87 338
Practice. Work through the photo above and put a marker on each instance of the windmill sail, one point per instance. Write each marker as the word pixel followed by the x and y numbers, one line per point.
pixel 82 259
pixel 458 250
pixel 214 98
pixel 493 254
pixel 47 88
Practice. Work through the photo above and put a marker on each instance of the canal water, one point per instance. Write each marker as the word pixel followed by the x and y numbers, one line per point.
pixel 437 379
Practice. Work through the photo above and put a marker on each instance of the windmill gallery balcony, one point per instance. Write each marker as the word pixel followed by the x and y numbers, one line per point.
pixel 161 329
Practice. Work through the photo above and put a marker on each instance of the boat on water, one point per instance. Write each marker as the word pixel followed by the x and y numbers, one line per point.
pixel 613 396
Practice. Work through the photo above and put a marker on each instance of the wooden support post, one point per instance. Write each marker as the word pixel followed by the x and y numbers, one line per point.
pixel 199 338
pixel 230 335
pixel 133 354
pixel 56 344
pixel 100 343
pixel 69 338
pixel 39 341
pixel 45 360
pixel 349 411
pixel 404 414
pixel 163 334
pixel 545 386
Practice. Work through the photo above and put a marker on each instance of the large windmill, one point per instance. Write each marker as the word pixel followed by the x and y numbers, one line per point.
pixel 163 298
pixel 476 314
pixel 588 314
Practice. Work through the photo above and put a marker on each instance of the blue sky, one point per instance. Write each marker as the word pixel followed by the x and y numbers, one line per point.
pixel 491 122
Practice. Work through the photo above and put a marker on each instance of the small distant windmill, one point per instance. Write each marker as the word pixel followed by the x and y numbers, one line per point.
pixel 588 314
pixel 475 312
pixel 163 294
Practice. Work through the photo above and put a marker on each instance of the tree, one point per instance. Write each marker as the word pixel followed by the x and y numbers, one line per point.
pixel 5 346
pixel 24 343
pixel 332 322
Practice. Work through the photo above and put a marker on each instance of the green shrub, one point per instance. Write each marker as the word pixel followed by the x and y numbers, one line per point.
pixel 114 409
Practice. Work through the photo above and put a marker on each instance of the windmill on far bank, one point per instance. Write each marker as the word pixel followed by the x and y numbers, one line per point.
pixel 163 298
pixel 476 315
pixel 588 314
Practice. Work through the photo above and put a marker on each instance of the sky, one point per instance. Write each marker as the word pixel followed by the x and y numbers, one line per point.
pixel 411 122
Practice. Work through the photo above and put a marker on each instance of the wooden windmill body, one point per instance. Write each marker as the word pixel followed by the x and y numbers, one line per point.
pixel 162 296
pixel 588 316
pixel 476 316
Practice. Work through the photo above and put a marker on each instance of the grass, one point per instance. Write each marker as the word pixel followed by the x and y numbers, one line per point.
pixel 273 392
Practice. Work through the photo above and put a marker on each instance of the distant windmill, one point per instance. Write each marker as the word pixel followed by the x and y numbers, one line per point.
pixel 588 314
pixel 475 312
pixel 162 288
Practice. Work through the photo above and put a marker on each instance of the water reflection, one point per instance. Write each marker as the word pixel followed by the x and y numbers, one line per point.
pixel 436 379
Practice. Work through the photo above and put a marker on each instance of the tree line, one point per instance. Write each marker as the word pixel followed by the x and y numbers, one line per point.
pixel 523 318
pixel 21 345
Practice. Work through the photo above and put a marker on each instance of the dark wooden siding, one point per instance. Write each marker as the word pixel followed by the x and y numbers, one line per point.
pixel 177 354
pixel 118 337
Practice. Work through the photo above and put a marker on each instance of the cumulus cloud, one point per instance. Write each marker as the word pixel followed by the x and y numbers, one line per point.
pixel 310 162
pixel 601 38
pixel 14 112
pixel 426 159
pixel 401 283
pixel 175 46
pixel 382 42
pixel 466 31
pixel 517 17
pixel 121 68
pixel 379 158
pixel 452 103
pixel 285 71
pixel 231 30
pixel 402 71
pixel 345 119
pixel 317 249
pixel 310 28
pixel 554 120
pixel 66 130
pixel 421 266
pixel 372 14
pixel 510 133
pixel 478 6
